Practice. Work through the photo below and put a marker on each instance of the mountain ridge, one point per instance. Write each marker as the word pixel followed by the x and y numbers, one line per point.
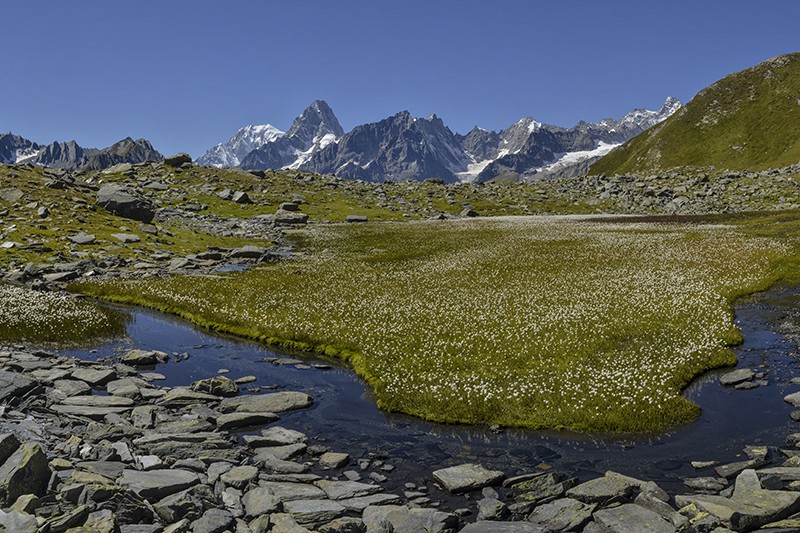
pixel 748 120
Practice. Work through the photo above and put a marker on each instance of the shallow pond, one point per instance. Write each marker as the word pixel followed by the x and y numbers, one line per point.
pixel 344 416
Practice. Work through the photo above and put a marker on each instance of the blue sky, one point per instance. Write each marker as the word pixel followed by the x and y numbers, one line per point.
pixel 187 74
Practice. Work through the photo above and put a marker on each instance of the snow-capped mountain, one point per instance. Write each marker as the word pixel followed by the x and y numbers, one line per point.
pixel 244 141
pixel 531 150
pixel 397 148
pixel 402 147
pixel 316 128
pixel 69 155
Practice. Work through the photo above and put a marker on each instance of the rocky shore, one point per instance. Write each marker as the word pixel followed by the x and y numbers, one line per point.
pixel 100 447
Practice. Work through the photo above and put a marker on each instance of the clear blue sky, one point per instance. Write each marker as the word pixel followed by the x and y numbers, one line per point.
pixel 187 74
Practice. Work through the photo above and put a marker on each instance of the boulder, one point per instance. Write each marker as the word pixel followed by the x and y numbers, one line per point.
pixel 630 518
pixel 239 477
pixel 467 477
pixel 240 420
pixel 143 357
pixel 82 238
pixel 177 160
pixel 333 460
pixel 403 519
pixel 26 471
pixel 119 201
pixel 261 501
pixel 18 522
pixel 602 490
pixel 218 386
pixel 565 514
pixel 13 385
pixel 213 521
pixel 275 402
pixel 94 376
pixel 241 197
pixel 750 506
pixel 275 436
pixel 156 484
pixel 314 511
pixel 737 376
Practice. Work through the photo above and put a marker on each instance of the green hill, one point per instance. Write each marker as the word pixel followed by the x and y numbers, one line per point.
pixel 749 120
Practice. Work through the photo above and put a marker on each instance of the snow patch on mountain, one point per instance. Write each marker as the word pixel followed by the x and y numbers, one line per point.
pixel 244 141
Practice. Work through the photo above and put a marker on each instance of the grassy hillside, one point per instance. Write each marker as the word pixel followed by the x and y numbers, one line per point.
pixel 749 120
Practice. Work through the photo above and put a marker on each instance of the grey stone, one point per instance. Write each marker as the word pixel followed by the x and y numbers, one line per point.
pixel 72 387
pixel 261 501
pixel 273 465
pixel 98 401
pixel 339 490
pixel 143 357
pixel 286 492
pixel 156 484
pixel 466 477
pixel 737 376
pixel 403 519
pixel 13 385
pixel 749 507
pixel 564 514
pixel 793 399
pixel 491 509
pixel 239 476
pixel 120 201
pixel 127 238
pixel 314 511
pixel 82 238
pixel 334 460
pixel 602 490
pixel 358 504
pixel 244 419
pixel 18 522
pixel 630 518
pixel 248 252
pixel 218 386
pixel 241 197
pixel 213 521
pixel 344 525
pixel 709 484
pixel 182 397
pixel 275 436
pixel 356 218
pixel 94 376
pixel 275 402
pixel 9 443
pixel 505 527
pixel 177 160
pixel 26 471
pixel 734 469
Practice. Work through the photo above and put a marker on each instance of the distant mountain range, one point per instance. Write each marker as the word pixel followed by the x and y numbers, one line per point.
pixel 749 120
pixel 402 147
pixel 69 155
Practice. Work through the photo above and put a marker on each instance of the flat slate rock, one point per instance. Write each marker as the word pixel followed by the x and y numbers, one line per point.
pixel 314 511
pixel 630 518
pixel 564 514
pixel 602 489
pixel 99 401
pixel 260 501
pixel 274 402
pixel 275 436
pixel 95 413
pixel 13 385
pixel 412 520
pixel 737 376
pixel 287 492
pixel 93 376
pixel 339 490
pixel 467 477
pixel 247 419
pixel 750 507
pixel 491 526
pixel 155 484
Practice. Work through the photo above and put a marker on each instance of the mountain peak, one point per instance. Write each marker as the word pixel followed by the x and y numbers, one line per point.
pixel 316 121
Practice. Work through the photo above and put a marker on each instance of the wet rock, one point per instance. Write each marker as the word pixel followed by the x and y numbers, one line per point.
pixel 339 490
pixel 275 436
pixel 564 514
pixel 602 490
pixel 737 376
pixel 239 420
pixel 314 511
pixel 143 357
pixel 26 471
pixel 750 506
pixel 122 202
pixel 157 484
pixel 260 501
pixel 706 484
pixel 218 386
pixel 630 518
pixel 334 460
pixel 491 509
pixel 403 519
pixel 275 402
pixel 466 477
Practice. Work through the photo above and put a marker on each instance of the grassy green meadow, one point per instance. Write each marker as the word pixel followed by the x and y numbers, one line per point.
pixel 540 322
